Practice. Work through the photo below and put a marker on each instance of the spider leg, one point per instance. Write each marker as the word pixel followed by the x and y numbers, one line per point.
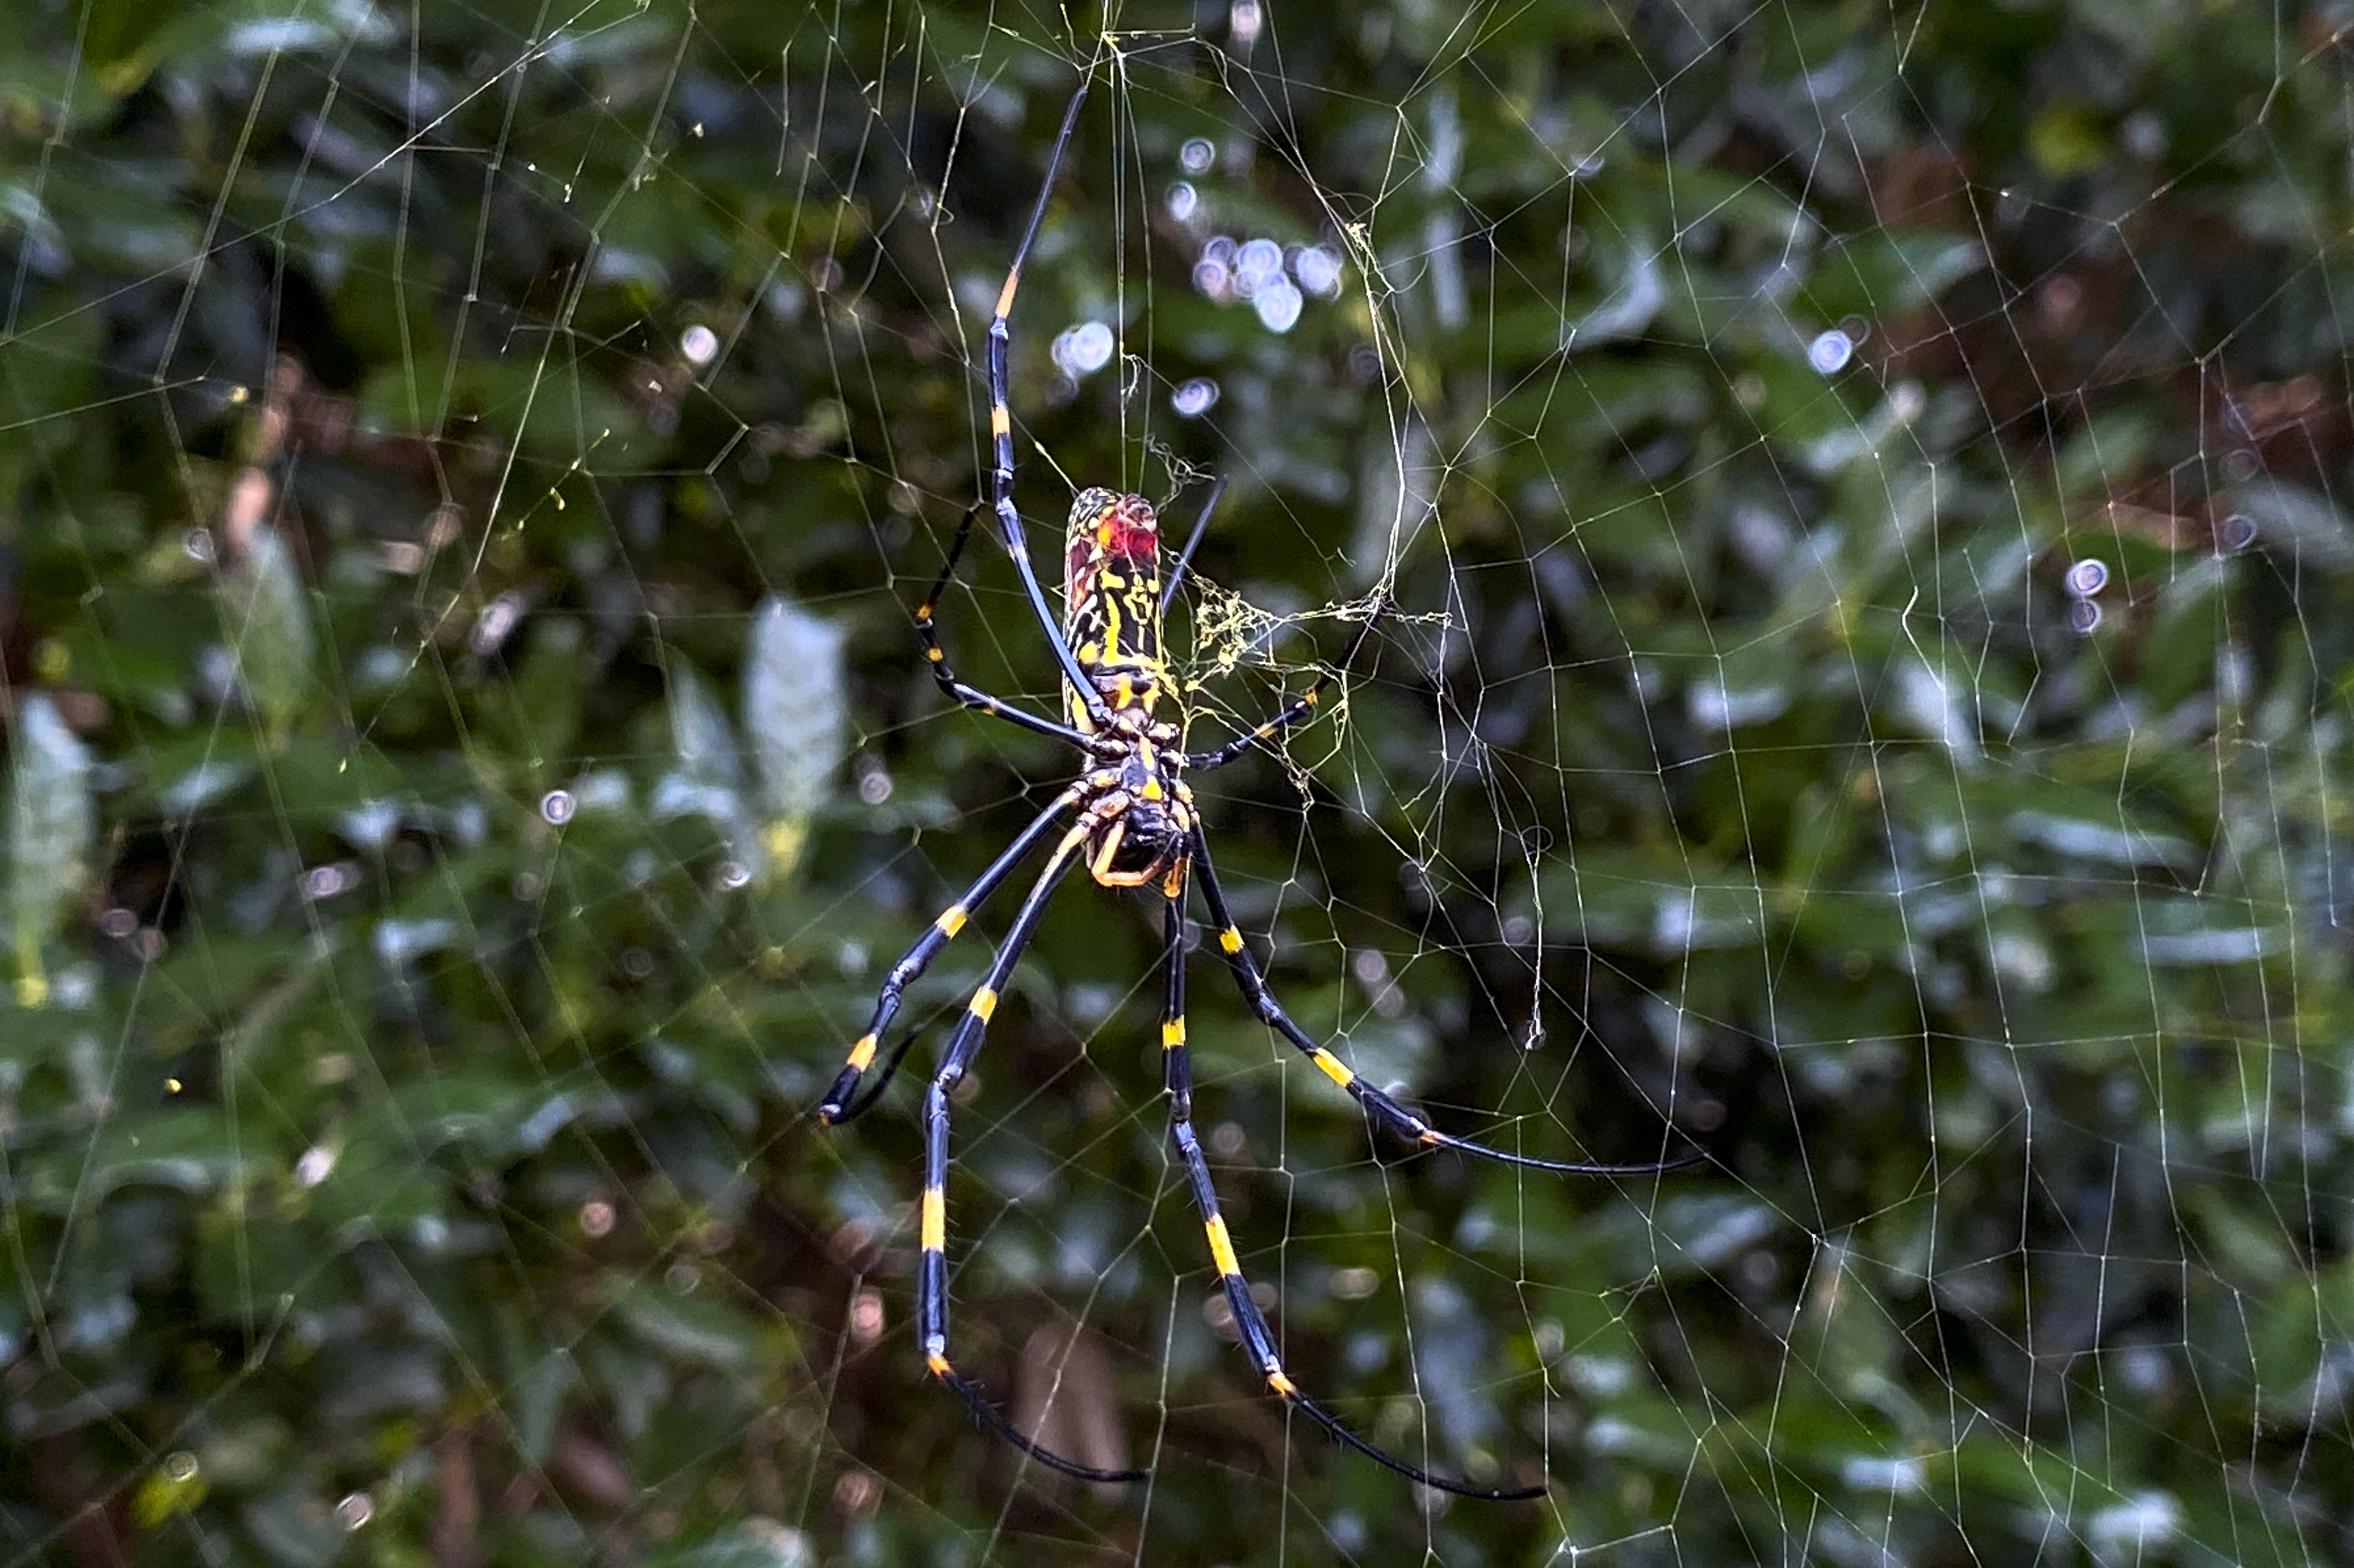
pixel 1298 707
pixel 972 696
pixel 1185 555
pixel 932 1266
pixel 1258 1340
pixel 1000 430
pixel 1385 1112
pixel 838 1106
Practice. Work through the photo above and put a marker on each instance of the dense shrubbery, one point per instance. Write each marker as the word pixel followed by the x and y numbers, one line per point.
pixel 1868 690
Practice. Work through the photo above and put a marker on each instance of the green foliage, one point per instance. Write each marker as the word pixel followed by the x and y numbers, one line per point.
pixel 464 472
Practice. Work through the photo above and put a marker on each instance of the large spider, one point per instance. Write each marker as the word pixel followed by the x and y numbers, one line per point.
pixel 1133 825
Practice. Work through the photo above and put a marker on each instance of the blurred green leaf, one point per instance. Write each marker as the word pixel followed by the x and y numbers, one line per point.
pixel 266 616
pixel 694 1328
pixel 52 829
pixel 796 718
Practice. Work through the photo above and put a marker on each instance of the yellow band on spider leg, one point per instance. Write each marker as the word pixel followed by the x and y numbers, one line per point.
pixel 1332 1066
pixel 1222 1245
pixel 952 920
pixel 936 1220
pixel 1231 941
pixel 1173 1034
pixel 983 1003
pixel 862 1055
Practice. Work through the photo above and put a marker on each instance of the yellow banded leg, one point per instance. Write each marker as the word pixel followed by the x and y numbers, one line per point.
pixel 996 348
pixel 839 1105
pixel 1383 1111
pixel 1298 707
pixel 932 1264
pixel 927 632
pixel 1258 1340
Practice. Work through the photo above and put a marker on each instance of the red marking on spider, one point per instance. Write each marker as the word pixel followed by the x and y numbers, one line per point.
pixel 1127 530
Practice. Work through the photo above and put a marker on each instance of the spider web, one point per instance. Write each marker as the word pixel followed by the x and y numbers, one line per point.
pixel 1864 698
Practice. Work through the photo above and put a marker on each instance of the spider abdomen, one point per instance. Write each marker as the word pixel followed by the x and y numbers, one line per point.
pixel 1111 595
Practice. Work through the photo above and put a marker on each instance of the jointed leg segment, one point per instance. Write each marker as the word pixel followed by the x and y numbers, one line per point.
pixel 937 656
pixel 838 1105
pixel 1000 429
pixel 1298 708
pixel 1259 1339
pixel 1385 1112
pixel 932 1264
pixel 1184 559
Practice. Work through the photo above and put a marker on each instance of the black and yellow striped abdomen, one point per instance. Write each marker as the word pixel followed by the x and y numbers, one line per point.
pixel 1111 595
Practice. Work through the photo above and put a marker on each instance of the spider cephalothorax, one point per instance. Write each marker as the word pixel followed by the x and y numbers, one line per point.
pixel 1132 815
pixel 1140 816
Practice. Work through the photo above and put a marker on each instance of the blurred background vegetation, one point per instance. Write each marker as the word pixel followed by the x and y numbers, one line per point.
pixel 1870 692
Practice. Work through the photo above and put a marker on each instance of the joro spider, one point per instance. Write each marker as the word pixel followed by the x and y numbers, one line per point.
pixel 1135 826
